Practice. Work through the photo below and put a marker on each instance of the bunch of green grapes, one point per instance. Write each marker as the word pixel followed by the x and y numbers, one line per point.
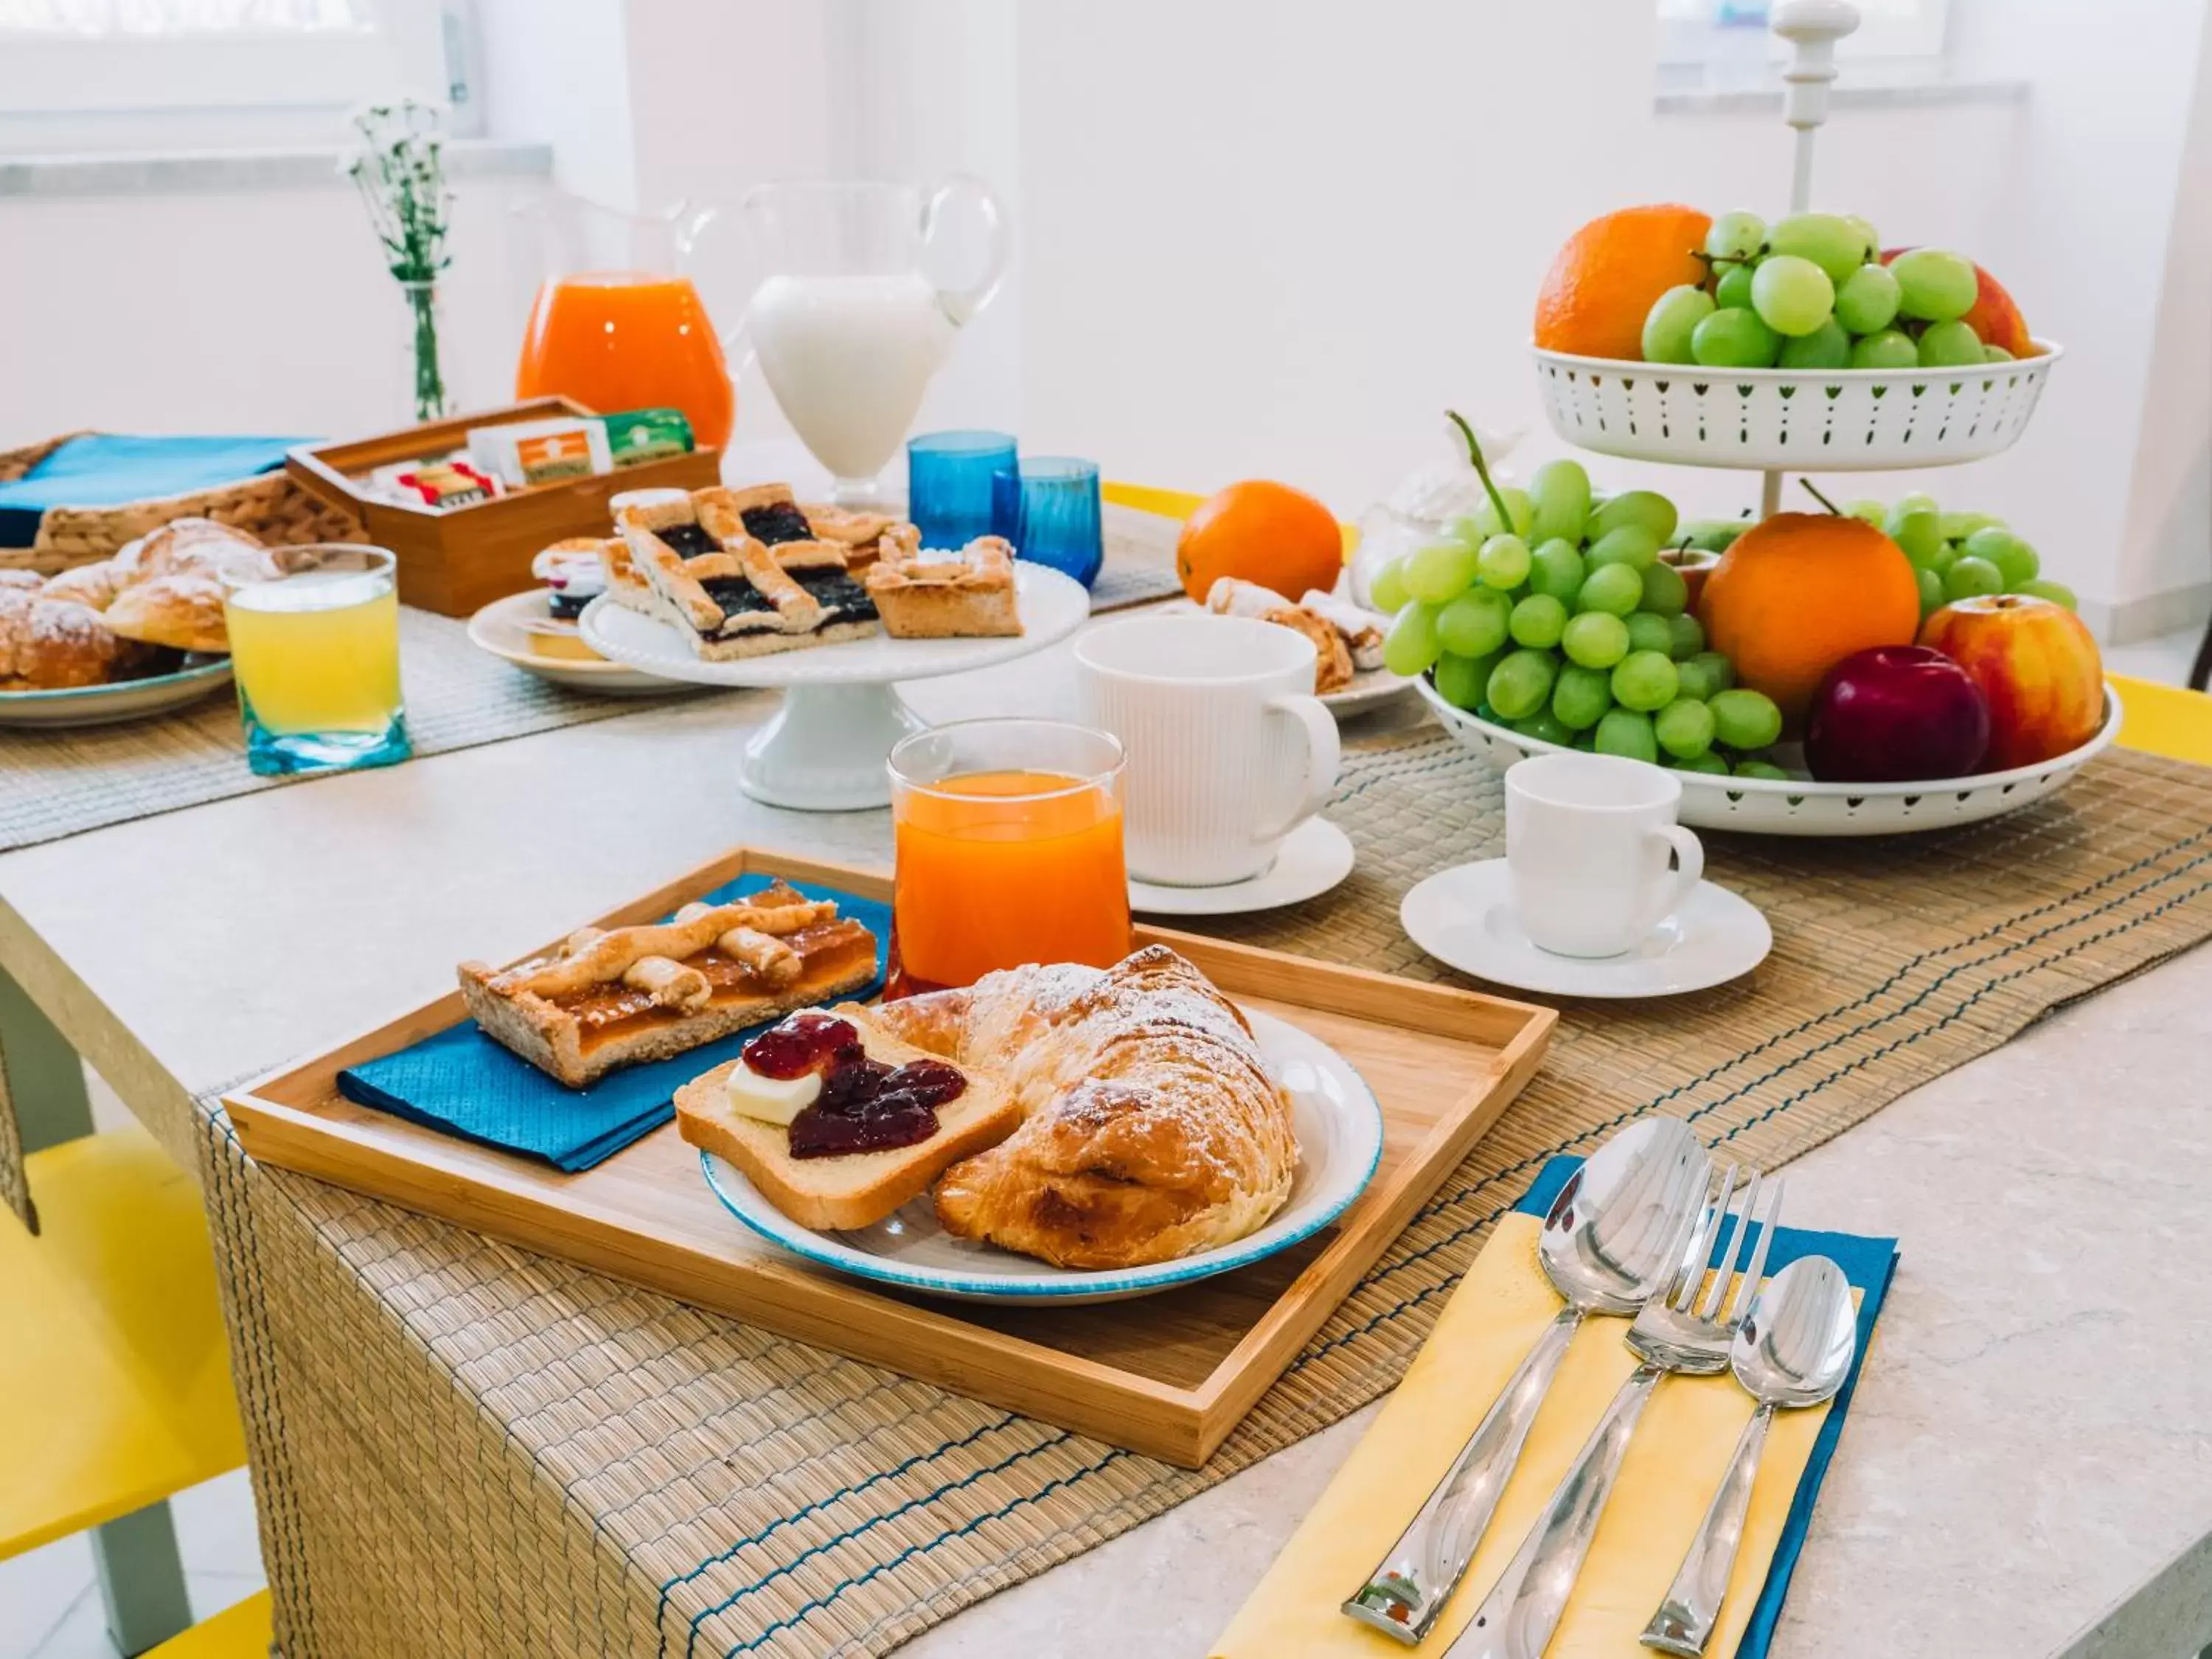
pixel 1549 611
pixel 1956 555
pixel 1811 292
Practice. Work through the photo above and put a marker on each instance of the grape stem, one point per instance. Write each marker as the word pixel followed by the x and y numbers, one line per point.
pixel 1814 490
pixel 1481 470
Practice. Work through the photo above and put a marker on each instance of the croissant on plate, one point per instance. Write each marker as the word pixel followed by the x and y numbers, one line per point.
pixel 96 624
pixel 1151 1128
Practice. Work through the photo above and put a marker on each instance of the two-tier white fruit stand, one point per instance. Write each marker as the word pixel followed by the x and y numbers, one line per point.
pixel 1806 421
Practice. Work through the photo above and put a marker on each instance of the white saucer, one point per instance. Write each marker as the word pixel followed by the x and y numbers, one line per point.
pixel 1313 858
pixel 1464 918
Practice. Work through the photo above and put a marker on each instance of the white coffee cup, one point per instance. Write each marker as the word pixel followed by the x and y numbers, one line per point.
pixel 1587 842
pixel 1229 751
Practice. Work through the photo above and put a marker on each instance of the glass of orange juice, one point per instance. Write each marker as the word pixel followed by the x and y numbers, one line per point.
pixel 315 651
pixel 615 340
pixel 1008 839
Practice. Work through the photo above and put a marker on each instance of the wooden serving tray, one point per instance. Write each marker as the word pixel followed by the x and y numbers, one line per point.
pixel 459 559
pixel 1168 1375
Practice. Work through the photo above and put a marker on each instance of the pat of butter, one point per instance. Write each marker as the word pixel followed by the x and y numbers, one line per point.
pixel 771 1099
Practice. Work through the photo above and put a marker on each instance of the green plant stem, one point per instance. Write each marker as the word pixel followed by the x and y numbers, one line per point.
pixel 429 381
pixel 1481 470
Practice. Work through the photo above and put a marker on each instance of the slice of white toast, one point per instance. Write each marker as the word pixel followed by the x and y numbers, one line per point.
pixel 850 1189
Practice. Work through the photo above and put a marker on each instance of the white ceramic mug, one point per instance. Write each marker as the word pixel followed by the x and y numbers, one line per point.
pixel 1228 749
pixel 1587 842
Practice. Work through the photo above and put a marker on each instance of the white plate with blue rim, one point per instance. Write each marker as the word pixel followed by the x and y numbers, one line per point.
pixel 1334 1115
pixel 118 701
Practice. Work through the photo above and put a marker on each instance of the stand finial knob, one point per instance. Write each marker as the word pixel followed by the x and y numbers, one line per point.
pixel 1812 27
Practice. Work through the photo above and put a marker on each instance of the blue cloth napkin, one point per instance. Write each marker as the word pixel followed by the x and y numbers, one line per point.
pixel 1868 1263
pixel 103 470
pixel 462 1083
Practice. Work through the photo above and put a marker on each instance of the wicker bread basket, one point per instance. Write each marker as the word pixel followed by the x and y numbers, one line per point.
pixel 269 505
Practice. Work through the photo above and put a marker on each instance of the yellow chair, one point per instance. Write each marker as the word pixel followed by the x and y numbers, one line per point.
pixel 2165 719
pixel 241 1631
pixel 115 1388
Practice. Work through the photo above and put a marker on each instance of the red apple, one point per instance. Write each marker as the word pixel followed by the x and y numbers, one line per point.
pixel 1896 713
pixel 1695 564
pixel 2037 665
pixel 1996 315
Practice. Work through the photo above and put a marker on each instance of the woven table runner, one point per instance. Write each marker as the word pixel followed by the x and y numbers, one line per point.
pixel 461 1447
pixel 62 782
pixel 58 783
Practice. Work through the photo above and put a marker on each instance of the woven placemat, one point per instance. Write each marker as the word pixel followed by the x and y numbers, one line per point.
pixel 1139 564
pixel 462 1447
pixel 58 783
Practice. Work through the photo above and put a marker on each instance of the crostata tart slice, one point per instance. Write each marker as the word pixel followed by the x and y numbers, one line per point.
pixel 940 595
pixel 618 997
pixel 735 595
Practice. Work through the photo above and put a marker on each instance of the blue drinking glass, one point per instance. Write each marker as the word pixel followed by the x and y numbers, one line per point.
pixel 1048 508
pixel 948 483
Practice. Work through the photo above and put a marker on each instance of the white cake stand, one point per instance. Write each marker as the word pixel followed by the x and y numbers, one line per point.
pixel 825 748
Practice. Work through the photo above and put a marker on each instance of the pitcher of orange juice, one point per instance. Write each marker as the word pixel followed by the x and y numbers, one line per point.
pixel 618 323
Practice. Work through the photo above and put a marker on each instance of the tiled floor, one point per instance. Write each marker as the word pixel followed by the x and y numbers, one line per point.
pixel 50 1607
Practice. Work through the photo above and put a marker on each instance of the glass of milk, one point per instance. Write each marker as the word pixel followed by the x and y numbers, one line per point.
pixel 848 326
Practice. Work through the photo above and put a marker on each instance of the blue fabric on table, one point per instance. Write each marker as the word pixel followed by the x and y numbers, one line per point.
pixel 464 1084
pixel 106 468
pixel 1868 1263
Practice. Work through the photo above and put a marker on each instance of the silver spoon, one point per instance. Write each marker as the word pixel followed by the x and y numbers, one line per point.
pixel 1794 1350
pixel 1614 1235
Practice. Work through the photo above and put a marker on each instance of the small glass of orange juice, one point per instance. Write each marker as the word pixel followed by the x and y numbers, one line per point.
pixel 1008 839
pixel 315 651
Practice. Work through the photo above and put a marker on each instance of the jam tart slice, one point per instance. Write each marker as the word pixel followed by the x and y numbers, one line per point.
pixel 735 595
pixel 938 595
pixel 626 995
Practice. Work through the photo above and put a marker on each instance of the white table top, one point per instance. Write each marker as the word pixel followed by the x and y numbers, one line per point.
pixel 2031 1444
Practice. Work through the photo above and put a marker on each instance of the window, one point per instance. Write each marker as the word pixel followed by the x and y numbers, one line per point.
pixel 1712 31
pixel 106 74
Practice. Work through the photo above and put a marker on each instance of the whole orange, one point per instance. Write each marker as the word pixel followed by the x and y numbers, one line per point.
pixel 1603 282
pixel 1796 595
pixel 1263 532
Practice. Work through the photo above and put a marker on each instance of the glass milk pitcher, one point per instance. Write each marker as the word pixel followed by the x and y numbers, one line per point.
pixel 848 326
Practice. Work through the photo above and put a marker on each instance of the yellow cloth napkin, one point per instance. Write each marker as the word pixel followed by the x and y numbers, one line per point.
pixel 1667 1478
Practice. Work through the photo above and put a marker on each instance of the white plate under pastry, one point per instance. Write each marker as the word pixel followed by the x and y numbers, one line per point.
pixel 1369 691
pixel 1313 858
pixel 126 700
pixel 1371 688
pixel 1336 1118
pixel 502 627
pixel 1051 607
pixel 1463 917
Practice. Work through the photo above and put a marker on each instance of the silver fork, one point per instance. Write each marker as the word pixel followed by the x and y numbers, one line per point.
pixel 1678 1331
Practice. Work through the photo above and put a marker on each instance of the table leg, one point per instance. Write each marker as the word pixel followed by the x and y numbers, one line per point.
pixel 142 1578
pixel 44 1079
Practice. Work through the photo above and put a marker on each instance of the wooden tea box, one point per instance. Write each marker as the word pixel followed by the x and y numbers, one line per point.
pixel 456 560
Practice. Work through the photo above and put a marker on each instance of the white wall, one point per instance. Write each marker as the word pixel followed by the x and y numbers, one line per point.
pixel 264 312
pixel 2082 228
pixel 1251 239
pixel 1282 246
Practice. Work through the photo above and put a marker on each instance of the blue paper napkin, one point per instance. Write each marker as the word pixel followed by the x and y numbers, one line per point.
pixel 1868 1263
pixel 462 1083
pixel 104 469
